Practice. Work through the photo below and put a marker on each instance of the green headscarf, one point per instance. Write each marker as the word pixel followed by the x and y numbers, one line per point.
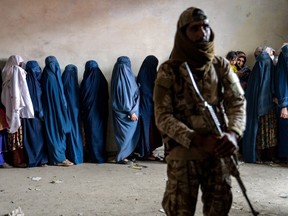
pixel 198 55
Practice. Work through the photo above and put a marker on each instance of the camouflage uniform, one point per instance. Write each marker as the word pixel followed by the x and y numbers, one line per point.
pixel 179 115
pixel 185 177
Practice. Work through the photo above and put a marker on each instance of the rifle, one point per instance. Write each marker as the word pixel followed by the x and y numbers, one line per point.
pixel 231 162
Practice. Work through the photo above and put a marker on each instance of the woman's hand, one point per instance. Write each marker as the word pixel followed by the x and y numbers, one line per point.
pixel 134 117
pixel 284 113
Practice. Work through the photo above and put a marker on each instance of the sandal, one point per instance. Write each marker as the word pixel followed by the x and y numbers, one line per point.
pixel 259 162
pixel 153 158
pixel 22 165
pixel 125 161
pixel 5 165
pixel 65 163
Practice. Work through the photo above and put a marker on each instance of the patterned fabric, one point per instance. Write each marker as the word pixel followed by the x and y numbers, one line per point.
pixel 185 177
pixel 15 149
pixel 267 131
pixel 15 140
pixel 3 122
pixel 178 110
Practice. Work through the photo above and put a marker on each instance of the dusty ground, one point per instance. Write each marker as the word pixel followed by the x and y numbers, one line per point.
pixel 117 190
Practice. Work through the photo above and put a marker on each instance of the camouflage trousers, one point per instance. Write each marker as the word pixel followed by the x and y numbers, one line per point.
pixel 184 180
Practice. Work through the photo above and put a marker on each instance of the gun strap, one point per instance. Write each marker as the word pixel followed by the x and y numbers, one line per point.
pixel 207 106
pixel 194 83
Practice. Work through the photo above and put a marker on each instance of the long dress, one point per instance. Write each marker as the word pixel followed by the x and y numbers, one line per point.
pixel 16 107
pixel 3 129
pixel 261 112
pixel 33 129
pixel 150 137
pixel 74 144
pixel 57 122
pixel 94 109
pixel 3 135
pixel 281 85
pixel 125 97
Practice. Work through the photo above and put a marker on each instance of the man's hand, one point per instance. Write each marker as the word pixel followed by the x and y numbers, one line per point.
pixel 227 145
pixel 223 146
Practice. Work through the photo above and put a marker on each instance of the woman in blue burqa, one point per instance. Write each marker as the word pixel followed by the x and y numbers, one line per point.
pixel 57 122
pixel 150 137
pixel 125 98
pixel 33 128
pixel 94 109
pixel 74 144
pixel 282 96
pixel 260 136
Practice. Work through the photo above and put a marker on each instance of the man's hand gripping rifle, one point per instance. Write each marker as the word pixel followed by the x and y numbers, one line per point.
pixel 230 162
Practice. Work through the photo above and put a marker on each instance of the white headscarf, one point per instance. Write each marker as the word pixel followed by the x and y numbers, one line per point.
pixel 267 49
pixel 15 93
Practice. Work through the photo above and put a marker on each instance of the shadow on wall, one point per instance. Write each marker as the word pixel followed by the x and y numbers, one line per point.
pixel 2 63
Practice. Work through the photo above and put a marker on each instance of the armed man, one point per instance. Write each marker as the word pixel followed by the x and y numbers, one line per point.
pixel 196 150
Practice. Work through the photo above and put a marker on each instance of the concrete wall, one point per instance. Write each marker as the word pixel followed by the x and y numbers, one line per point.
pixel 79 30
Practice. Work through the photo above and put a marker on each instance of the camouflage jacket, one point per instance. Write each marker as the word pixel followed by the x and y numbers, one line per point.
pixel 179 111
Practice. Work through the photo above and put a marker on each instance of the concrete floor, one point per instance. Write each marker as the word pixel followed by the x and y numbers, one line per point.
pixel 119 190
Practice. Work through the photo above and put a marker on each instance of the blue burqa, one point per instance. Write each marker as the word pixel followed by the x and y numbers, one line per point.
pixel 74 143
pixel 94 108
pixel 3 140
pixel 150 138
pixel 281 84
pixel 33 128
pixel 125 99
pixel 57 122
pixel 259 96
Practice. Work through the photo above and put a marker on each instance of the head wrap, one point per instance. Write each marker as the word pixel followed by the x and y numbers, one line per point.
pixel 268 49
pixel 258 51
pixel 241 54
pixel 199 55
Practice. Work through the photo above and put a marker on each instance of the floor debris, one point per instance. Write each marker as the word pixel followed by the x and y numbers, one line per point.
pixel 36 178
pixel 16 212
pixel 56 182
pixel 283 195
